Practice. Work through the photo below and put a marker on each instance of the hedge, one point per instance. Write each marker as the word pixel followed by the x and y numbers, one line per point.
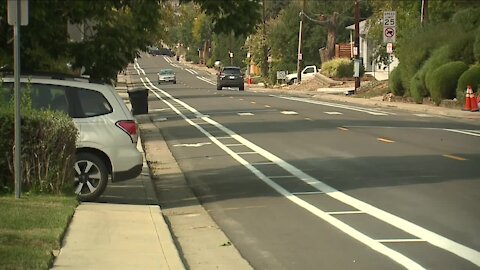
pixel 469 77
pixel 395 82
pixel 48 145
pixel 442 82
pixel 338 68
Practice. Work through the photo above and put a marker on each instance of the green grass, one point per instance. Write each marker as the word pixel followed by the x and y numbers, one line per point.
pixel 31 228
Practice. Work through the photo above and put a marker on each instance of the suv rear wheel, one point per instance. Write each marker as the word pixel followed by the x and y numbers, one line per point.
pixel 91 177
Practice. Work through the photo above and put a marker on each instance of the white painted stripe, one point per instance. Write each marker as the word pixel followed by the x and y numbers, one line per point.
pixel 280 176
pixel 335 105
pixel 189 71
pixel 345 212
pixel 308 193
pixel 333 113
pixel 206 80
pixel 234 144
pixel 247 153
pixel 400 240
pixel 289 112
pixel 245 113
pixel 263 163
pixel 423 115
pixel 466 132
pixel 409 227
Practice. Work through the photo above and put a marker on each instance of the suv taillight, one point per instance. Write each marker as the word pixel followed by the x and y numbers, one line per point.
pixel 130 127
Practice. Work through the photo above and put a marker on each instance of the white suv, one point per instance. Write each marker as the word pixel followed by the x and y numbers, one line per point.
pixel 107 142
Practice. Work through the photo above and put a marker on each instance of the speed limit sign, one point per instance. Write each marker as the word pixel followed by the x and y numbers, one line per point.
pixel 389 26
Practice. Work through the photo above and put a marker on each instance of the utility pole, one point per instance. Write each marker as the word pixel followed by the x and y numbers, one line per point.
pixel 264 39
pixel 424 17
pixel 300 41
pixel 356 47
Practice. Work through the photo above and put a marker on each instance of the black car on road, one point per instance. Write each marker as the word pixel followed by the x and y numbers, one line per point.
pixel 230 77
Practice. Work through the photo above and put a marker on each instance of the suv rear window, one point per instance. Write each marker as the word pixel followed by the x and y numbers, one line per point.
pixel 76 102
pixel 235 71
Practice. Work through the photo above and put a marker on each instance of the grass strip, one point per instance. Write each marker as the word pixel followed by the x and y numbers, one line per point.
pixel 31 227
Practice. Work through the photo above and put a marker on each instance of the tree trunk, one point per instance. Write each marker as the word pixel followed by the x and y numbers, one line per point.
pixel 330 23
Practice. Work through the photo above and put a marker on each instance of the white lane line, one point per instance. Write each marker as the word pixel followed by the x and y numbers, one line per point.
pixel 333 113
pixel 206 80
pixel 466 132
pixel 192 144
pixel 308 193
pixel 189 71
pixel 407 226
pixel 262 163
pixel 245 114
pixel 400 240
pixel 289 112
pixel 345 212
pixel 342 106
pixel 423 115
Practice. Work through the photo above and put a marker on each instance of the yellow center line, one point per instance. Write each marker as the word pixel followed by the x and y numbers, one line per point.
pixel 343 128
pixel 454 157
pixel 385 140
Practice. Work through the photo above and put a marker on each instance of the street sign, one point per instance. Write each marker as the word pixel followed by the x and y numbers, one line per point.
pixel 12 12
pixel 389 18
pixel 281 75
pixel 299 56
pixel 389 47
pixel 389 34
pixel 389 26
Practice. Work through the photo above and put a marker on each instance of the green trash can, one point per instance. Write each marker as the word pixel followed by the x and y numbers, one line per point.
pixel 139 99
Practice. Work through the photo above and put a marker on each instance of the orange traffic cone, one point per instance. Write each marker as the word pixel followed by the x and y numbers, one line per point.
pixel 468 98
pixel 474 103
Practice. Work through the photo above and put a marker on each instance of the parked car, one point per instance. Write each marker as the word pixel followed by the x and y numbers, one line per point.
pixel 107 142
pixel 167 75
pixel 230 77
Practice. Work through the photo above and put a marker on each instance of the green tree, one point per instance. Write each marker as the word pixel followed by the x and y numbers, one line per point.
pixel 119 30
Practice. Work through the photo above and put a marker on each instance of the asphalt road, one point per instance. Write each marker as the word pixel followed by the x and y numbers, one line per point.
pixel 297 183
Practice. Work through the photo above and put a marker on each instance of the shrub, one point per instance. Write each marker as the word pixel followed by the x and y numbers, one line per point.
pixel 48 150
pixel 338 68
pixel 476 46
pixel 469 77
pixel 417 85
pixel 395 82
pixel 467 18
pixel 443 81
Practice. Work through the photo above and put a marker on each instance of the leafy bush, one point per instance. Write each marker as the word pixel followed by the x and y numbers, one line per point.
pixel 476 46
pixel 48 149
pixel 417 46
pixel 467 18
pixel 338 68
pixel 418 89
pixel 442 82
pixel 395 82
pixel 469 77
